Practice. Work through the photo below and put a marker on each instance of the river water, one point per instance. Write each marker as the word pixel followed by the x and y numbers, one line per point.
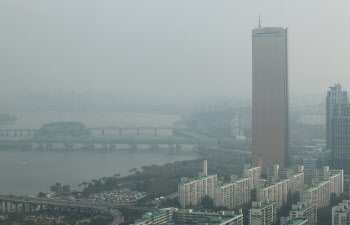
pixel 27 173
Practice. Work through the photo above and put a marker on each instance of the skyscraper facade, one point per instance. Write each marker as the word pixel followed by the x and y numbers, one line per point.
pixel 270 130
pixel 340 133
pixel 334 96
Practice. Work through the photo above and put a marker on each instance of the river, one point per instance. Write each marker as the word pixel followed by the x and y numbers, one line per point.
pixel 27 173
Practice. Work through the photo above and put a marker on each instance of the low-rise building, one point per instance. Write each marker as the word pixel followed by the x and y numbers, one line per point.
pixel 341 213
pixel 221 218
pixel 161 216
pixel 263 213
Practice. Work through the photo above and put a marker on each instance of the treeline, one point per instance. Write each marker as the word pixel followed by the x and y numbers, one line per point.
pixel 163 180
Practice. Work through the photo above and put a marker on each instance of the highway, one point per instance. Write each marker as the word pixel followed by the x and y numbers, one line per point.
pixel 96 206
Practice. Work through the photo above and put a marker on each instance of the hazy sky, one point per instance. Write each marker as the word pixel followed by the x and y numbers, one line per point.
pixel 161 47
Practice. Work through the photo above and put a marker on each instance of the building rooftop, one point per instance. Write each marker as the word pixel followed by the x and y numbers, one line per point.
pixel 274 183
pixel 297 222
pixel 320 183
pixel 197 179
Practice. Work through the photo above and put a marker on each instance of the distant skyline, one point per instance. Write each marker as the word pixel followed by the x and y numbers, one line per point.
pixel 178 49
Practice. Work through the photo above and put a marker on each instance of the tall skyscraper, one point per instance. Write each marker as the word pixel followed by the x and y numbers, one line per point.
pixel 270 130
pixel 334 96
pixel 340 122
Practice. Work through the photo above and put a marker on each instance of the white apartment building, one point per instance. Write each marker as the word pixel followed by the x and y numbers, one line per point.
pixel 297 182
pixel 304 210
pixel 276 192
pixel 192 191
pixel 341 213
pixel 254 174
pixel 321 192
pixel 234 194
pixel 263 213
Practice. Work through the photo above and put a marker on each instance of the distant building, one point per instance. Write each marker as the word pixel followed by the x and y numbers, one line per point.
pixel 236 130
pixel 192 191
pixel 272 174
pixel 340 127
pixel 334 96
pixel 270 97
pixel 304 210
pixel 263 213
pixel 341 213
pixel 312 119
pixel 60 189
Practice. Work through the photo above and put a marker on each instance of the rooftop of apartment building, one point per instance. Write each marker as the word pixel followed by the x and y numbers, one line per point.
pixel 301 206
pixel 236 181
pixel 274 183
pixel 297 222
pixel 196 179
pixel 261 205
pixel 316 185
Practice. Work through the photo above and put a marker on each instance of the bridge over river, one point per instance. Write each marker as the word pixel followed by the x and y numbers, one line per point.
pixel 25 139
pixel 22 203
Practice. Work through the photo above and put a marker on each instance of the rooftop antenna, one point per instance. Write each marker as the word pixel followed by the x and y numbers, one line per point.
pixel 259 21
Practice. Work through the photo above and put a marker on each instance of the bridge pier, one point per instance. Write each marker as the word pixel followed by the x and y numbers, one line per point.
pixel 102 132
pixel 120 132
pixel 16 207
pixel 155 131
pixel 6 209
pixel 138 131
pixel 171 148
pixel 133 147
pixel 178 148
pixel 153 147
pixel 34 132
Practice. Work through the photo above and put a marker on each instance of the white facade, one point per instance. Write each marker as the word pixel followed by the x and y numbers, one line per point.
pixel 193 191
pixel 276 192
pixel 234 194
pixel 341 213
pixel 297 182
pixel 304 210
pixel 254 174
pixel 263 213
pixel 321 192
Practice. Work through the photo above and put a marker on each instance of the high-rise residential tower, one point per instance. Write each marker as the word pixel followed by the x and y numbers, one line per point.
pixel 270 130
pixel 334 96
